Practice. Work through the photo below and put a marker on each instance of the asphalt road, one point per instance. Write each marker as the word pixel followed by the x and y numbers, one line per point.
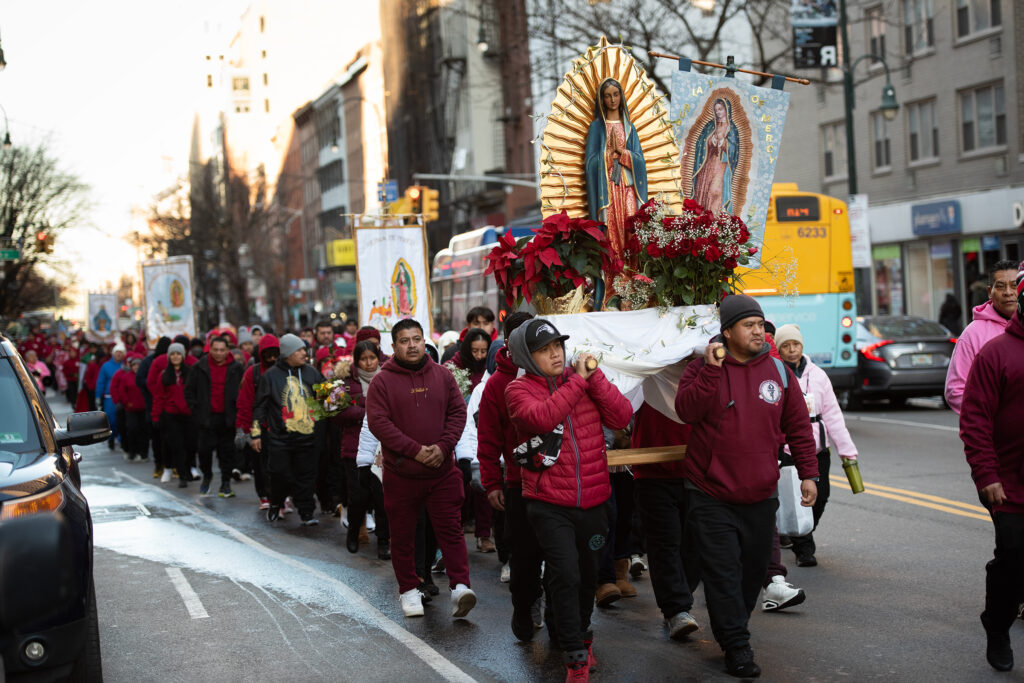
pixel 197 587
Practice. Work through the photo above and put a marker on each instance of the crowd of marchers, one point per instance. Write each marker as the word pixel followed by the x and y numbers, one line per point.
pixel 500 434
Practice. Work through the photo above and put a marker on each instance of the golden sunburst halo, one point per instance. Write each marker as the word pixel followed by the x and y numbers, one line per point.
pixel 563 184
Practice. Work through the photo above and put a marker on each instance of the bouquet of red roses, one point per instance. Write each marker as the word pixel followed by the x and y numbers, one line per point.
pixel 563 255
pixel 691 258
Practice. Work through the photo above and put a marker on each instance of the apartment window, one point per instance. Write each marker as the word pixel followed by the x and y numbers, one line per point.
pixel 982 118
pixel 834 146
pixel 918 25
pixel 263 54
pixel 328 125
pixel 266 79
pixel 923 130
pixel 209 81
pixel 263 24
pixel 330 176
pixel 240 84
pixel 266 105
pixel 882 159
pixel 973 16
pixel 876 30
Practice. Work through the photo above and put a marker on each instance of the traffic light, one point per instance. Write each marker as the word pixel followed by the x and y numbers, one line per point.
pixel 430 204
pixel 415 196
pixel 44 242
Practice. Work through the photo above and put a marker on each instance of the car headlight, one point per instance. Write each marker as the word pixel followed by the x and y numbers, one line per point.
pixel 47 501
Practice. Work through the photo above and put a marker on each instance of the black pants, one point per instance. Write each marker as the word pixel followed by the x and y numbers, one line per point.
pixel 135 438
pixel 331 485
pixel 365 493
pixel 256 464
pixel 620 525
pixel 804 545
pixel 71 393
pixel 1004 573
pixel 293 467
pixel 174 430
pixel 572 541
pixel 734 542
pixel 425 547
pixel 220 438
pixel 156 437
pixel 525 555
pixel 670 555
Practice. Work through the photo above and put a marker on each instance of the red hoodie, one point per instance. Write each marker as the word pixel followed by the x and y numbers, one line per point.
pixel 350 420
pixel 740 413
pixel 124 391
pixel 990 416
pixel 408 409
pixel 247 389
pixel 496 437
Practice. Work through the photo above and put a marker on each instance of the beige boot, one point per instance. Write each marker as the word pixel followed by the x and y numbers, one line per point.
pixel 607 593
pixel 622 579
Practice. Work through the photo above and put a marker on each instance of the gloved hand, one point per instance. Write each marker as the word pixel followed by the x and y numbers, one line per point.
pixel 474 473
pixel 240 439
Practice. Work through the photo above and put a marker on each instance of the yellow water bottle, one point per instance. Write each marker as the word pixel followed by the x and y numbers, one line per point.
pixel 853 475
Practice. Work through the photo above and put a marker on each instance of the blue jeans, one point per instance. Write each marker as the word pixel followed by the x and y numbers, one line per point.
pixel 111 410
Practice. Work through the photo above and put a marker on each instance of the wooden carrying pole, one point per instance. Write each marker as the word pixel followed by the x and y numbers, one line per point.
pixel 646 456
pixel 791 79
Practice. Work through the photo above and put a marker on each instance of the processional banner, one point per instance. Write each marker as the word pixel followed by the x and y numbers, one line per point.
pixel 168 297
pixel 392 277
pixel 729 134
pixel 101 323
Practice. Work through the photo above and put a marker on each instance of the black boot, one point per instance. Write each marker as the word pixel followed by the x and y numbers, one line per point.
pixel 998 652
pixel 383 550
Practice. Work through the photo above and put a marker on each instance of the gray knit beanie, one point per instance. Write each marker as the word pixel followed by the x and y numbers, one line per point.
pixel 290 344
pixel 176 348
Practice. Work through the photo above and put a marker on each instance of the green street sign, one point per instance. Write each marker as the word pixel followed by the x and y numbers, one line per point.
pixel 9 255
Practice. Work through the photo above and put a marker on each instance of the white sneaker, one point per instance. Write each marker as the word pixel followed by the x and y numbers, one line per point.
pixel 246 476
pixel 463 600
pixel 412 603
pixel 166 476
pixel 344 518
pixel 371 524
pixel 197 473
pixel 506 573
pixel 780 595
pixel 288 506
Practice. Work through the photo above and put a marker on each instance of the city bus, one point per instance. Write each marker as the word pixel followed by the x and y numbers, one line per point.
pixel 457 279
pixel 807 277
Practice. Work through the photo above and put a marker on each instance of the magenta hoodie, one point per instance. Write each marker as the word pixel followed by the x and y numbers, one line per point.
pixel 986 325
pixel 407 409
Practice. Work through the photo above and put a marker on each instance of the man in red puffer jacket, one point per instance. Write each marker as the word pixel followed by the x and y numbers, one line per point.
pixel 566 501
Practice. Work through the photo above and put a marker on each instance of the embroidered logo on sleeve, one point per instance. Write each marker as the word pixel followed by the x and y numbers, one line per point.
pixel 770 391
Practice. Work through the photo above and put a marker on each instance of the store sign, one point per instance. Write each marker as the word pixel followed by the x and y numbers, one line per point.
pixel 814 35
pixel 1018 214
pixel 936 218
pixel 341 253
pixel 990 243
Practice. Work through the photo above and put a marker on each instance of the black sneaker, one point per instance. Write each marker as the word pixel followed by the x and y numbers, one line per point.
pixel 273 514
pixel 998 651
pixel 785 542
pixel 225 491
pixel 806 560
pixel 236 474
pixel 739 662
pixel 309 521
pixel 522 624
pixel 429 588
pixel 182 484
pixel 383 550
pixel 204 487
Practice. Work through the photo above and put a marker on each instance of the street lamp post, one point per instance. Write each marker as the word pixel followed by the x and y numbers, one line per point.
pixel 889 107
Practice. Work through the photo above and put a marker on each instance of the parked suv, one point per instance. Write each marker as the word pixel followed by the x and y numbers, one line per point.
pixel 48 622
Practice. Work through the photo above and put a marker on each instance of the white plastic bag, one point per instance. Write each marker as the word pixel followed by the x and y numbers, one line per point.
pixel 792 518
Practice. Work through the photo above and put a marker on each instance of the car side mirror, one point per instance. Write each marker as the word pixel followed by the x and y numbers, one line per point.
pixel 84 429
pixel 35 551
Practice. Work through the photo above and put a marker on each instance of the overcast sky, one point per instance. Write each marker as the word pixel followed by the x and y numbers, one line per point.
pixel 110 85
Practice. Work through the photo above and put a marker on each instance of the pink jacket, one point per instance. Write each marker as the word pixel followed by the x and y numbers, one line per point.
pixel 986 325
pixel 816 386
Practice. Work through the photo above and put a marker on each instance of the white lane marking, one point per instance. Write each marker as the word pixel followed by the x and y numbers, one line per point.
pixel 192 602
pixel 143 509
pixel 361 608
pixel 903 423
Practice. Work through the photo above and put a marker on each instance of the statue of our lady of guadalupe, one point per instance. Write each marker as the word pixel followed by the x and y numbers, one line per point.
pixel 616 171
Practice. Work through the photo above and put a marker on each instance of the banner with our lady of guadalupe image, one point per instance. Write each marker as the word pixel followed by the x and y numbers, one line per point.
pixel 729 134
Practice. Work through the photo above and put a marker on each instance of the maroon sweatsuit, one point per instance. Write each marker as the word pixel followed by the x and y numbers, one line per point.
pixel 407 409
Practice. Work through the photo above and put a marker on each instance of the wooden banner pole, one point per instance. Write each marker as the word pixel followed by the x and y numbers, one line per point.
pixel 791 79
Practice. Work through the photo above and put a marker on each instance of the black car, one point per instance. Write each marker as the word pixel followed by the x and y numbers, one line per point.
pixel 48 622
pixel 899 357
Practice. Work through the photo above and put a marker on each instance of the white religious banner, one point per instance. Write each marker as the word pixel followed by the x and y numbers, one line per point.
pixel 392 277
pixel 644 352
pixel 101 323
pixel 168 298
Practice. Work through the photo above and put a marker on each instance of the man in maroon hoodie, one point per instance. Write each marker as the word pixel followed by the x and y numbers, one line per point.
pixel 416 411
pixel 740 407
pixel 212 392
pixel 993 403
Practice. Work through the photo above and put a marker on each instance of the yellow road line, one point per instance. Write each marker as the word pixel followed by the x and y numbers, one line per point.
pixel 915 494
pixel 920 499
